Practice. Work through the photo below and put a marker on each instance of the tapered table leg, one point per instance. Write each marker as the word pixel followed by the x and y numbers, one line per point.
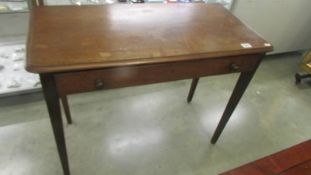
pixel 237 93
pixel 194 84
pixel 52 101
pixel 66 108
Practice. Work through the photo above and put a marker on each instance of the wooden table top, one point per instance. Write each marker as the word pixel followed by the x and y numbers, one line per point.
pixel 66 38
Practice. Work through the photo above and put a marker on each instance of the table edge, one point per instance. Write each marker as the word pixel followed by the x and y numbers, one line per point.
pixel 77 67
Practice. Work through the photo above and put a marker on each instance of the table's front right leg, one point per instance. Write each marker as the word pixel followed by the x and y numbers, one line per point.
pixel 53 105
pixel 236 95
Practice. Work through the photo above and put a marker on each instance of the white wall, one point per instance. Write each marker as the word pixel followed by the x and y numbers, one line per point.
pixel 14 26
pixel 284 23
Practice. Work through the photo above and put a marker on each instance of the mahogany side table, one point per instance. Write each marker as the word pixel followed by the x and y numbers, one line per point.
pixel 88 48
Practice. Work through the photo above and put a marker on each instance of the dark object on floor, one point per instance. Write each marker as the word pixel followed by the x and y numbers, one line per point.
pixel 299 77
pixel 306 66
pixel 137 1
pixel 292 161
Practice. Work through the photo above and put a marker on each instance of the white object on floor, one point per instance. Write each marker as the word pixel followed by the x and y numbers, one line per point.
pixel 14 78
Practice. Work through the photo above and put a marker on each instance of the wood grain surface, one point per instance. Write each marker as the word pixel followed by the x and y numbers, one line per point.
pixel 110 78
pixel 292 161
pixel 67 38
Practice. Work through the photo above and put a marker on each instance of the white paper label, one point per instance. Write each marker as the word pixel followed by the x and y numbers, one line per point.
pixel 246 45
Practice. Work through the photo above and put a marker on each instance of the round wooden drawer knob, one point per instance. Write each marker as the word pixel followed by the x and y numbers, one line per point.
pixel 234 67
pixel 99 84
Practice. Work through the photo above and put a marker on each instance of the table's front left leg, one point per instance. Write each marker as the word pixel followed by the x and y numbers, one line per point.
pixel 237 93
pixel 53 105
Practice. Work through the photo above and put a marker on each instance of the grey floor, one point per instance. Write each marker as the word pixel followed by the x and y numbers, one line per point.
pixel 151 130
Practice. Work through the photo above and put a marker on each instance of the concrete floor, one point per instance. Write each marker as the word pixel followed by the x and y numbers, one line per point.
pixel 151 130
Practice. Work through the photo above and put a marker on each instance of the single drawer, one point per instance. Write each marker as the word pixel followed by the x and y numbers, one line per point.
pixel 90 80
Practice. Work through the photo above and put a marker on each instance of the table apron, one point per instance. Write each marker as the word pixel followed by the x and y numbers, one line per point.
pixel 108 78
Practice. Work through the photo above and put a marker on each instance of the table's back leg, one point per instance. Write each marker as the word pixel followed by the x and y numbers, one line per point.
pixel 237 93
pixel 194 84
pixel 66 108
pixel 52 101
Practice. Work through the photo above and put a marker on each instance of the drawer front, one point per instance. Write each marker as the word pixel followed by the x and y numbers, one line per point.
pixel 85 81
